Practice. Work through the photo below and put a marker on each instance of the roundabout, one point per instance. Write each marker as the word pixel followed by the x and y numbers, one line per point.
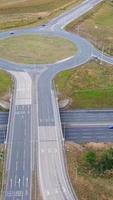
pixel 29 49
pixel 81 51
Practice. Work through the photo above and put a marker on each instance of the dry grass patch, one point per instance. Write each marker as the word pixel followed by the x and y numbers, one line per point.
pixel 97 26
pixel 31 12
pixel 86 185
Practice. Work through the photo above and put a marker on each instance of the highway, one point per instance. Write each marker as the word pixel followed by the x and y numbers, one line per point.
pixel 4 118
pixel 78 125
pixel 19 140
pixel 3 126
pixel 53 179
pixel 3 131
pixel 78 117
pixel 82 126
pixel 66 18
pixel 88 133
pixel 49 146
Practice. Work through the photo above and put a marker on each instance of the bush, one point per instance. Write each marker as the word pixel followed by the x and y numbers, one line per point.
pixel 100 164
pixel 106 161
pixel 90 158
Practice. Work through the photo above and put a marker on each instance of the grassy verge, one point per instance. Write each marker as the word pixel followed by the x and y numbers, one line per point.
pixel 89 86
pixel 5 84
pixel 21 13
pixel 5 90
pixel 97 26
pixel 36 49
pixel 87 184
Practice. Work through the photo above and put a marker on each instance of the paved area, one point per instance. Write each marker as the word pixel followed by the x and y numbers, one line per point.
pixel 87 125
pixel 19 141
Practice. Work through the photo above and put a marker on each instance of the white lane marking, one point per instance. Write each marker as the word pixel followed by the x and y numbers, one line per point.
pixel 55 150
pixel 23 180
pixel 60 61
pixel 11 183
pixel 24 151
pixel 27 181
pixel 23 165
pixel 15 193
pixel 15 180
pixel 17 155
pixel 20 112
pixel 56 191
pixel 19 182
pixel 26 192
pixel 64 190
pixel 16 165
pixel 22 116
pixel 42 150
pixel 47 192
pixel 49 150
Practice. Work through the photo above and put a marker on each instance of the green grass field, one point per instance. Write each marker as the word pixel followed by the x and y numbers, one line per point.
pixel 5 83
pixel 36 49
pixel 88 186
pixel 97 26
pixel 89 86
pixel 24 12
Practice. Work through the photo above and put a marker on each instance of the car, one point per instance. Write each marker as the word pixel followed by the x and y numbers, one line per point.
pixel 111 127
pixel 11 33
pixel 43 25
pixel 95 57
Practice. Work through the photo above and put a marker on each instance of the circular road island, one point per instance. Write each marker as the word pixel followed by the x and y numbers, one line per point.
pixel 36 49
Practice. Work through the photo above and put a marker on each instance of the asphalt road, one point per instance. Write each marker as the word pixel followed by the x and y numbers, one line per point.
pixel 19 142
pixel 3 131
pixel 53 178
pixel 78 117
pixel 87 125
pixel 66 18
pixel 3 126
pixel 18 183
pixel 4 118
pixel 78 125
pixel 83 134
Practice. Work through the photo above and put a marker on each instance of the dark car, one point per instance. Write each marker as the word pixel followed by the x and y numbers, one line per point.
pixel 111 127
pixel 43 24
pixel 11 33
pixel 95 57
